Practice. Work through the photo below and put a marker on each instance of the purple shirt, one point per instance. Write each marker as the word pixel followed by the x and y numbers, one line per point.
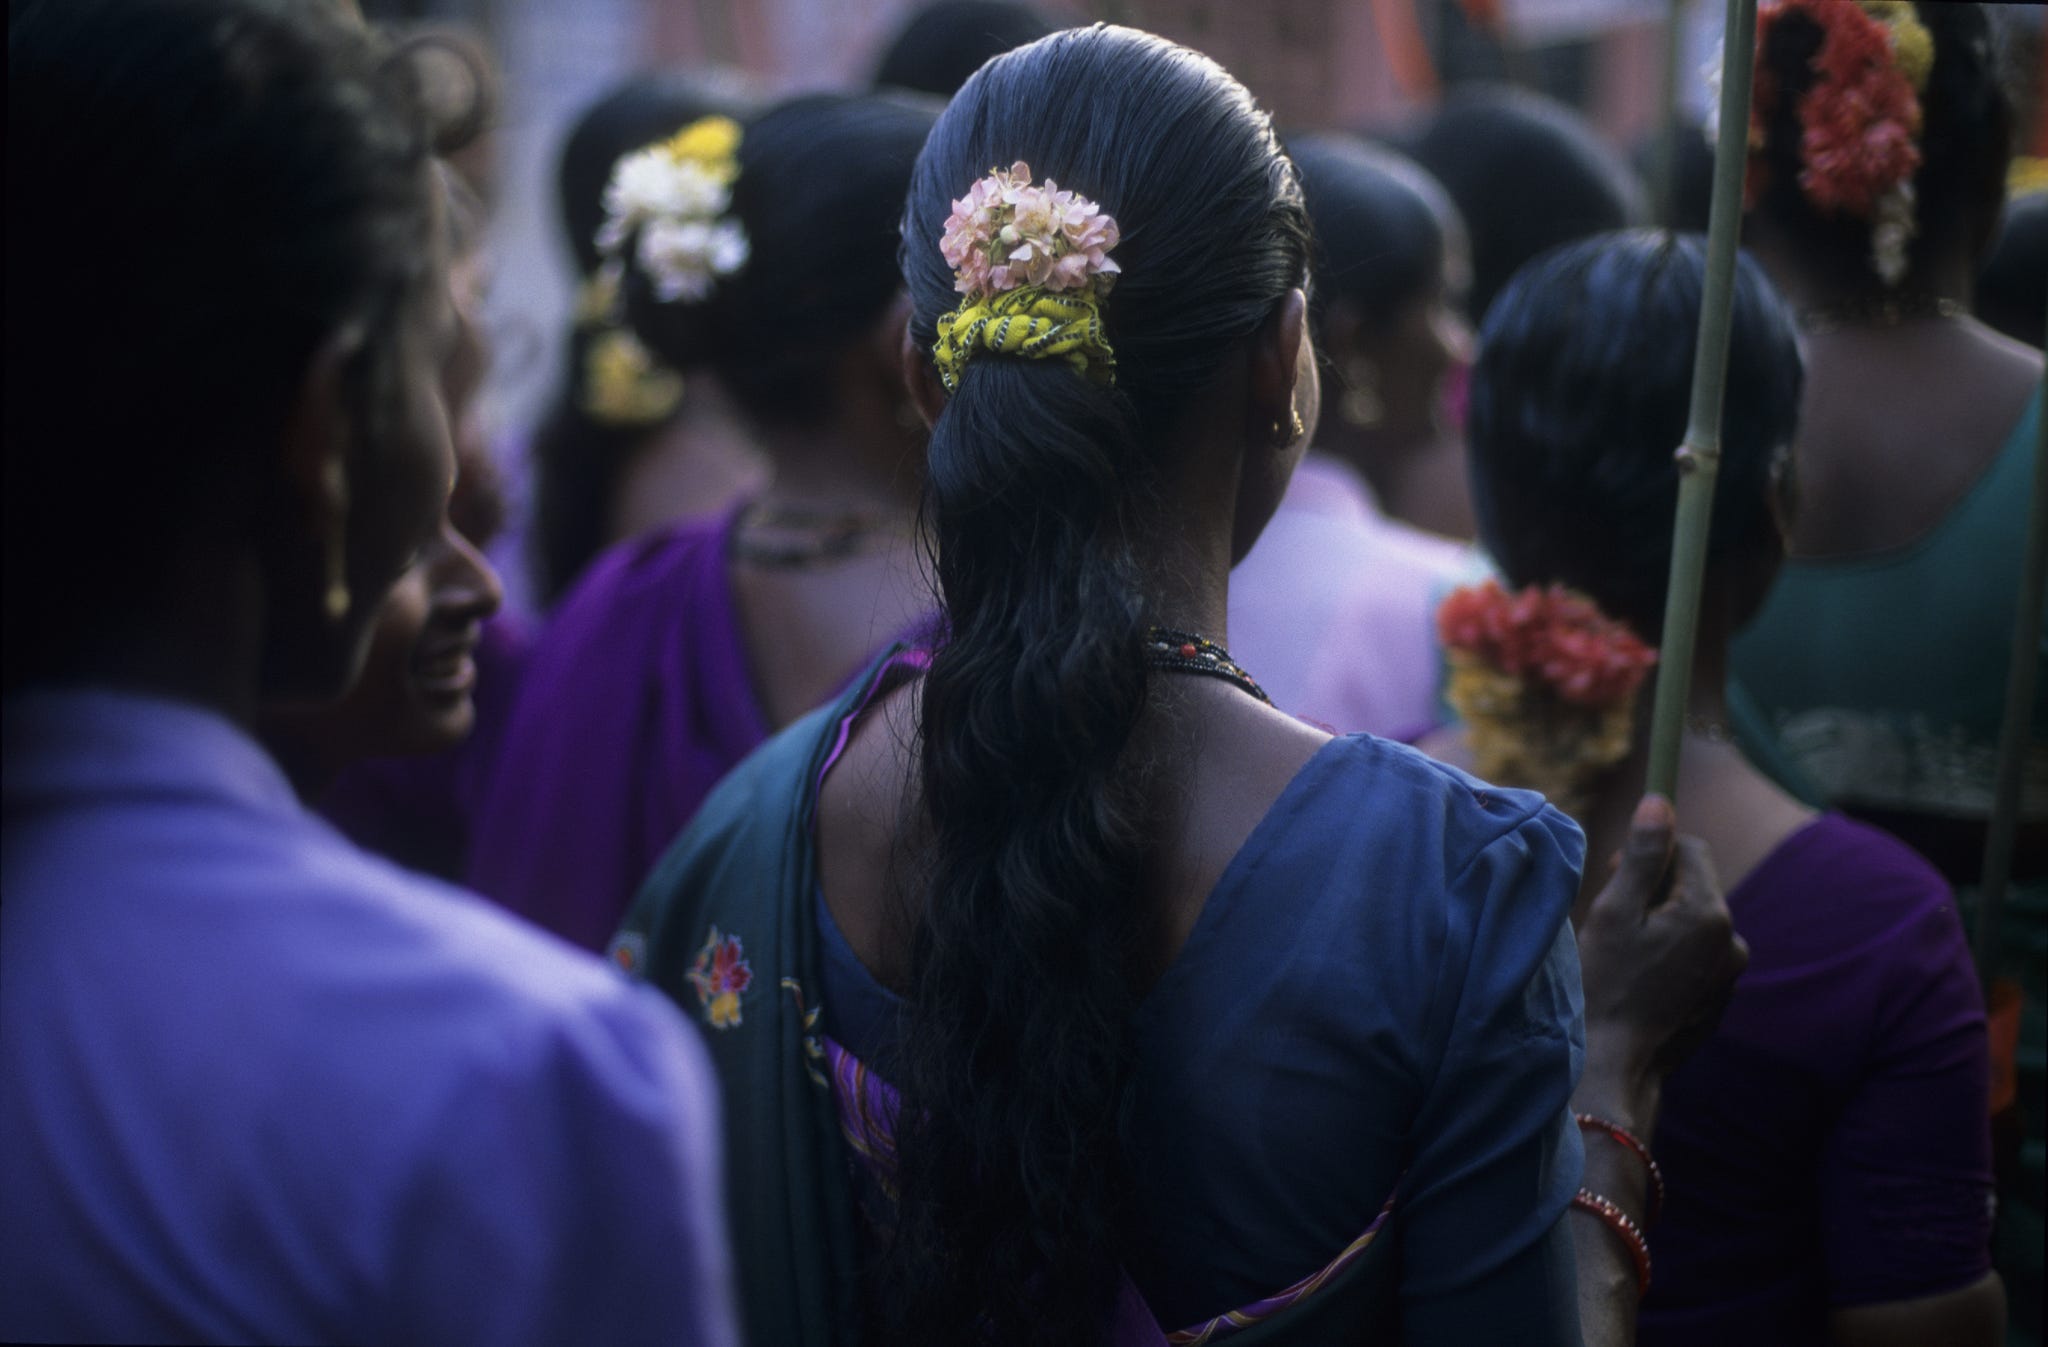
pixel 1830 1145
pixel 257 1086
pixel 1334 610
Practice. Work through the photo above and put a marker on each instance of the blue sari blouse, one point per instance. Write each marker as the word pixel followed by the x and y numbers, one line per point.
pixel 1380 996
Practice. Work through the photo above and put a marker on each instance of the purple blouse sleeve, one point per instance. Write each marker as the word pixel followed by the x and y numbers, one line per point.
pixel 1905 1182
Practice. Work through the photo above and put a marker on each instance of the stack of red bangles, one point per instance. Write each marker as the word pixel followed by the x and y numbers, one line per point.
pixel 1611 1215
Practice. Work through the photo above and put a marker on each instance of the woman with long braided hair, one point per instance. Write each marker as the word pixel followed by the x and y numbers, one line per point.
pixel 1133 1001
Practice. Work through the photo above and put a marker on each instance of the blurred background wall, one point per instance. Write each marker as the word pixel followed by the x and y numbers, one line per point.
pixel 1368 65
pixel 1351 63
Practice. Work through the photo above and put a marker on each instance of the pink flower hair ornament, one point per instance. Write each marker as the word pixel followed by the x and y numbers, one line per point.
pixel 1032 264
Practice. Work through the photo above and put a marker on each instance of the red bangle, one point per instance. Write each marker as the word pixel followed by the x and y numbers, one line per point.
pixel 1589 1122
pixel 1624 1227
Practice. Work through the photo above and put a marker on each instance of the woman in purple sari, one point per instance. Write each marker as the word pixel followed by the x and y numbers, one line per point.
pixel 1827 1149
pixel 767 251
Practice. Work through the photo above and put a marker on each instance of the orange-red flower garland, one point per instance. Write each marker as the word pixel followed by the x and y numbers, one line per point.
pixel 1545 684
pixel 1559 637
pixel 1859 120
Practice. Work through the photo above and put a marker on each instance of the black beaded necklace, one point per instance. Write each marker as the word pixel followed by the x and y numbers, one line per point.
pixel 1187 652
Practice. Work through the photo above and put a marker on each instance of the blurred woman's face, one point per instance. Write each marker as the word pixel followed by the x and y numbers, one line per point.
pixel 1428 345
pixel 375 427
pixel 415 692
pixel 419 679
pixel 403 464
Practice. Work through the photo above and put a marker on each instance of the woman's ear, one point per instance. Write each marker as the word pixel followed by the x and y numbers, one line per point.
pixel 1276 371
pixel 920 377
pixel 1781 496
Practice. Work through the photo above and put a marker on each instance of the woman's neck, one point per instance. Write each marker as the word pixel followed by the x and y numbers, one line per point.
pixel 1720 797
pixel 1186 579
pixel 1951 278
pixel 861 457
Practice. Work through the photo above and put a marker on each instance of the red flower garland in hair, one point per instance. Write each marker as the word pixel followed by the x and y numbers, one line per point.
pixel 1551 635
pixel 1859 120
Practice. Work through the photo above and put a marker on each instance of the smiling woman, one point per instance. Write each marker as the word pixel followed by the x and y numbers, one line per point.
pixel 416 694
pixel 399 763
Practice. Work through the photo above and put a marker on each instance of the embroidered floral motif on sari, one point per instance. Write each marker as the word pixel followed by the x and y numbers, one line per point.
pixel 719 975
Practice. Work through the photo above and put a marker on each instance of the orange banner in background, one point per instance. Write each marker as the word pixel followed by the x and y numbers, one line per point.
pixel 1399 29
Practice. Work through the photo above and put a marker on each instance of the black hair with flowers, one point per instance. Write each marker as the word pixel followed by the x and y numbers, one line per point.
pixel 1854 97
pixel 1025 874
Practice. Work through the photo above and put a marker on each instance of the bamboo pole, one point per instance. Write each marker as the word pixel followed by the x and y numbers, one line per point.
pixel 1668 110
pixel 2017 727
pixel 1699 458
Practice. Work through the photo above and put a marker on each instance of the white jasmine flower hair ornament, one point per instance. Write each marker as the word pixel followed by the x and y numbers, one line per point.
pixel 1033 264
pixel 674 196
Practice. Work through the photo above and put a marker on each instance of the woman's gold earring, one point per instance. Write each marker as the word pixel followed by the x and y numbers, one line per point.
pixel 337 598
pixel 1361 405
pixel 1300 430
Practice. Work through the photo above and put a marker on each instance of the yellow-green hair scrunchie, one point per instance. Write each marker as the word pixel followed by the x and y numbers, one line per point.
pixel 1030 322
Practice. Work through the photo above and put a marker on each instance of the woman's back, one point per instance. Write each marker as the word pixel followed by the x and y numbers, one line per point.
pixel 1907 506
pixel 256 1165
pixel 1912 513
pixel 1376 1001
pixel 1888 448
pixel 1826 1148
pixel 1873 679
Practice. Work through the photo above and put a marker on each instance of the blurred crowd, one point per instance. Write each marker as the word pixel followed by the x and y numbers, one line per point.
pixel 1045 737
